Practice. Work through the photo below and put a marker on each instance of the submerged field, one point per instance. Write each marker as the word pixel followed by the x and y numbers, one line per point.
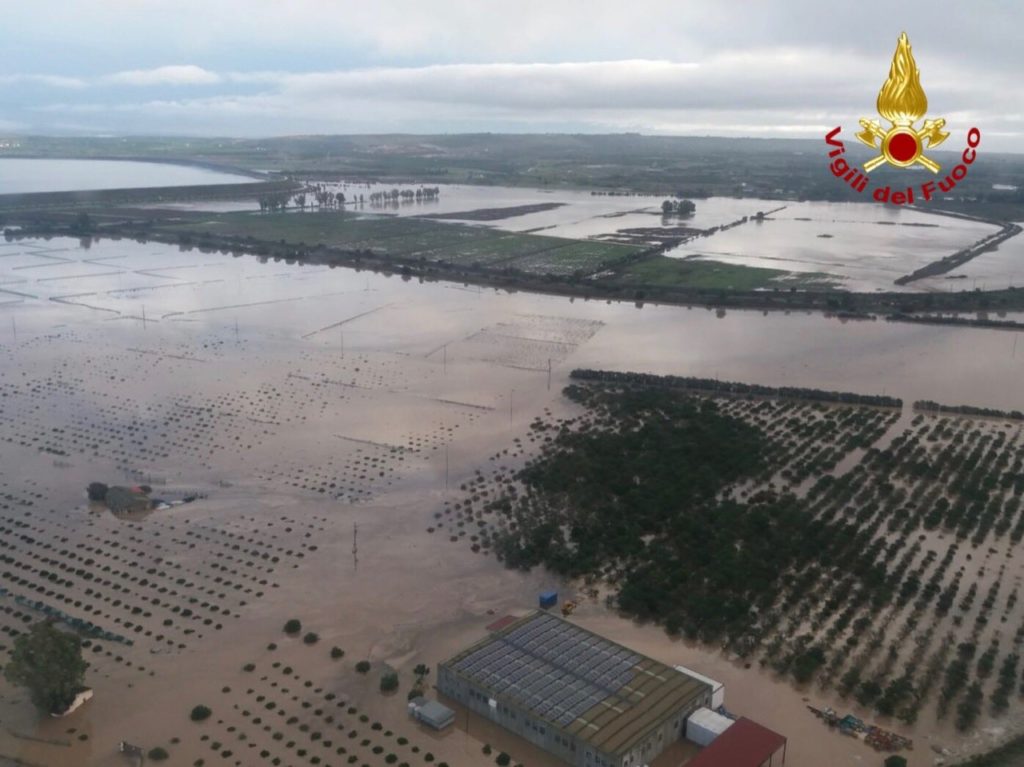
pixel 853 551
pixel 605 241
pixel 413 238
pixel 326 418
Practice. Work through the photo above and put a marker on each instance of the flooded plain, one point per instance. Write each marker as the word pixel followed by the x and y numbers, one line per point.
pixel 860 246
pixel 20 176
pixel 866 245
pixel 326 415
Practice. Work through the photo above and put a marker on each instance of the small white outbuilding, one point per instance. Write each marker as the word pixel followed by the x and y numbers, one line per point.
pixel 704 725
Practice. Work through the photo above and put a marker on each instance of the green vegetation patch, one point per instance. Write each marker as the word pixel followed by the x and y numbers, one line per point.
pixel 639 496
pixel 414 238
pixel 719 510
pixel 662 271
pixel 568 257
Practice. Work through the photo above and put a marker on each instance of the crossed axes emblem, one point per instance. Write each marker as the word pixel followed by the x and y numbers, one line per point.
pixel 909 143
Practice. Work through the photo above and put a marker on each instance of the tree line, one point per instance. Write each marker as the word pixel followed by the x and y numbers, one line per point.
pixel 734 387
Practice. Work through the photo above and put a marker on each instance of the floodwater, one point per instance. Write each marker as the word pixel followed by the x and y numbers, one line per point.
pixel 327 414
pixel 108 287
pixel 580 214
pixel 862 246
pixel 992 270
pixel 866 245
pixel 19 175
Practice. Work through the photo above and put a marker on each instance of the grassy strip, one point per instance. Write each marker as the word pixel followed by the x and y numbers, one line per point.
pixel 414 238
pixel 662 271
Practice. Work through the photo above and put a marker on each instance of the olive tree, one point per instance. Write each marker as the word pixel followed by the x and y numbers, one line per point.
pixel 48 662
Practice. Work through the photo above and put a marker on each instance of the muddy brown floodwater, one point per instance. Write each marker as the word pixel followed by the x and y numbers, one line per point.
pixel 327 416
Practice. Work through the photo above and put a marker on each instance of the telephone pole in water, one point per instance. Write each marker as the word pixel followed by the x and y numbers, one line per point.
pixel 355 546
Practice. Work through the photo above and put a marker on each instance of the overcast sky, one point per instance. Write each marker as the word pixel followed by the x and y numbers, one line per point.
pixel 686 67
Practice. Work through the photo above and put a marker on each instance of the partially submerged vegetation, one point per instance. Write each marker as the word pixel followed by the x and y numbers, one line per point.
pixel 820 540
pixel 664 272
pixel 715 386
pixel 48 663
pixel 692 167
pixel 431 250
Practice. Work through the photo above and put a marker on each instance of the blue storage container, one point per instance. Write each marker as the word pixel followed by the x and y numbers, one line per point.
pixel 548 599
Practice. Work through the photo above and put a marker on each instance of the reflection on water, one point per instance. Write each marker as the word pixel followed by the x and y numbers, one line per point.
pixel 29 175
pixel 133 362
pixel 866 244
pixel 198 306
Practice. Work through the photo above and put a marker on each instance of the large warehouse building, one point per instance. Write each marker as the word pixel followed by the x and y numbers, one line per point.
pixel 577 695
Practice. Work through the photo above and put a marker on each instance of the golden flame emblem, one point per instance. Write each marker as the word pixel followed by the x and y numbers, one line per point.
pixel 902 102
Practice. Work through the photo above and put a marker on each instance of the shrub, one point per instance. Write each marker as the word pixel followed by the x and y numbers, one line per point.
pixel 200 713
pixel 158 754
pixel 896 761
pixel 389 682
pixel 249 667
pixel 294 626
pixel 503 759
pixel 97 491
pixel 487 749
pixel 363 666
pixel 337 652
pixel 311 638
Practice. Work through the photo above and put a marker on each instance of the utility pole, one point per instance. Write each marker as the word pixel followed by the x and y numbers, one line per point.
pixel 355 546
pixel 143 316
pixel 549 374
pixel 446 467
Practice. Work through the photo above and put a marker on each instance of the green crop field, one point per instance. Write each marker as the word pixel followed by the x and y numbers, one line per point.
pixel 405 237
pixel 662 271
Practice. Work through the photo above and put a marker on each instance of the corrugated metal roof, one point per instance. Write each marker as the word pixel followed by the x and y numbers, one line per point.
pixel 582 683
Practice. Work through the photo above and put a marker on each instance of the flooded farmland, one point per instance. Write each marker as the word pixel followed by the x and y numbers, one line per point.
pixel 323 417
pixel 861 247
pixel 866 245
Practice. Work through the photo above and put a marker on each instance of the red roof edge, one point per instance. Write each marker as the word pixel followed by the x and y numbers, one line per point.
pixel 501 623
pixel 745 744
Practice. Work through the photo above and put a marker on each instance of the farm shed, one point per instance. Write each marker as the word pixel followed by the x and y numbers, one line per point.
pixel 745 744
pixel 581 697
